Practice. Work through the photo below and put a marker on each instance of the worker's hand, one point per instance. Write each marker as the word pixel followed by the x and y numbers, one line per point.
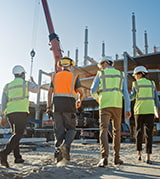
pixel 78 104
pixel 3 122
pixel 31 79
pixel 128 114
pixel 50 113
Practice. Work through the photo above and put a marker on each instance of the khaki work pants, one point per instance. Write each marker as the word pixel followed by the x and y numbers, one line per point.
pixel 107 114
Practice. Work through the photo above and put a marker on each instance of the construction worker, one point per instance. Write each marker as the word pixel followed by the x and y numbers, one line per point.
pixel 108 88
pixel 64 86
pixel 145 95
pixel 15 106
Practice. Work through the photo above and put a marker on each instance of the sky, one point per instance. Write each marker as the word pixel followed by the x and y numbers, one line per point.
pixel 23 28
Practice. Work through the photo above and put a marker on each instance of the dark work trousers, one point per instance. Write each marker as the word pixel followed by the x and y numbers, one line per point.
pixel 65 128
pixel 17 122
pixel 144 124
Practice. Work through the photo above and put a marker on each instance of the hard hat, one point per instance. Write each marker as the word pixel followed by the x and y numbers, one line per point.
pixel 65 62
pixel 107 59
pixel 140 69
pixel 18 69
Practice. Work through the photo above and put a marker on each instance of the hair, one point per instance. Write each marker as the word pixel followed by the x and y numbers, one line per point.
pixel 66 67
pixel 142 73
pixel 109 62
pixel 19 75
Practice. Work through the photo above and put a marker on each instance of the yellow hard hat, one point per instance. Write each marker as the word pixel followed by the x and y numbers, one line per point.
pixel 65 62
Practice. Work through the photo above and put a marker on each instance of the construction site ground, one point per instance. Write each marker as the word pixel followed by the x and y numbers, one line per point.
pixel 39 163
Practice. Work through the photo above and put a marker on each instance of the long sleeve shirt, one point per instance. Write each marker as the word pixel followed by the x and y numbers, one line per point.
pixel 95 86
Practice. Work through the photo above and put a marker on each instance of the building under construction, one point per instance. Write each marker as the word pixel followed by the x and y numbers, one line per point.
pixel 88 71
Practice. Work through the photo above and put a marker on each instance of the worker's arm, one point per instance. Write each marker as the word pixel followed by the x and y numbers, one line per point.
pixel 80 93
pixel 49 101
pixel 32 86
pixel 3 102
pixel 156 100
pixel 80 97
pixel 157 104
pixel 133 93
pixel 127 100
pixel 3 109
pixel 94 87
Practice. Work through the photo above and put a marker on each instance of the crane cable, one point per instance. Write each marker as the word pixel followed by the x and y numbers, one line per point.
pixel 34 32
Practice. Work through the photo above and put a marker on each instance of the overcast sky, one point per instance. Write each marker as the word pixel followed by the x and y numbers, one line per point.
pixel 23 27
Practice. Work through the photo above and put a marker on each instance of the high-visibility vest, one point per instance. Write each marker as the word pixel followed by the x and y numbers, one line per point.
pixel 17 96
pixel 144 103
pixel 64 84
pixel 110 88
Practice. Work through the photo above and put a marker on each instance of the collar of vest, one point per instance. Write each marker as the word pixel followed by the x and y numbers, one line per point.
pixel 66 70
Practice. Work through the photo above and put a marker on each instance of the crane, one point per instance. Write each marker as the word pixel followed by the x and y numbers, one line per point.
pixel 54 40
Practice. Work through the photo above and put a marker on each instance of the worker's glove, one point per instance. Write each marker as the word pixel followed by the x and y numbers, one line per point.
pixel 31 79
pixel 50 113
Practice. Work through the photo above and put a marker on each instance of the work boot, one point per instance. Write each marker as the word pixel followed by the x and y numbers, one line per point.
pixel 65 152
pixel 18 160
pixel 103 162
pixel 118 161
pixel 148 161
pixel 58 155
pixel 139 158
pixel 3 158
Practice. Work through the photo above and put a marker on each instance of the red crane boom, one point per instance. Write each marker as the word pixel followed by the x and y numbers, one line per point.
pixel 54 40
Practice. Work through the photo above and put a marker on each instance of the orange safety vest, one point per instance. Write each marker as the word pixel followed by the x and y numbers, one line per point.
pixel 64 84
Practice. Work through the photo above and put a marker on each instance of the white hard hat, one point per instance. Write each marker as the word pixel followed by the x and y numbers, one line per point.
pixel 140 69
pixel 18 69
pixel 107 59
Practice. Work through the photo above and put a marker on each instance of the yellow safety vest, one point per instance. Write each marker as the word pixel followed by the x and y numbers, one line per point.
pixel 17 96
pixel 110 88
pixel 144 103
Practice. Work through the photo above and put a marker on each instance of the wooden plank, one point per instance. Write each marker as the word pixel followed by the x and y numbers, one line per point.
pixel 88 129
pixel 4 141
pixel 5 131
pixel 85 141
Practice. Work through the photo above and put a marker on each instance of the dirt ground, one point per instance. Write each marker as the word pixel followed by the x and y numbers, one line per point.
pixel 39 164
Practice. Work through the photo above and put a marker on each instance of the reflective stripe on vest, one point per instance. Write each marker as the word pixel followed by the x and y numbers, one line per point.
pixel 66 85
pixel 137 87
pixel 144 103
pixel 24 95
pixel 110 88
pixel 103 77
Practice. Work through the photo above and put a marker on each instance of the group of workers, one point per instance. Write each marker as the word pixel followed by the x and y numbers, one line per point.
pixel 64 98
